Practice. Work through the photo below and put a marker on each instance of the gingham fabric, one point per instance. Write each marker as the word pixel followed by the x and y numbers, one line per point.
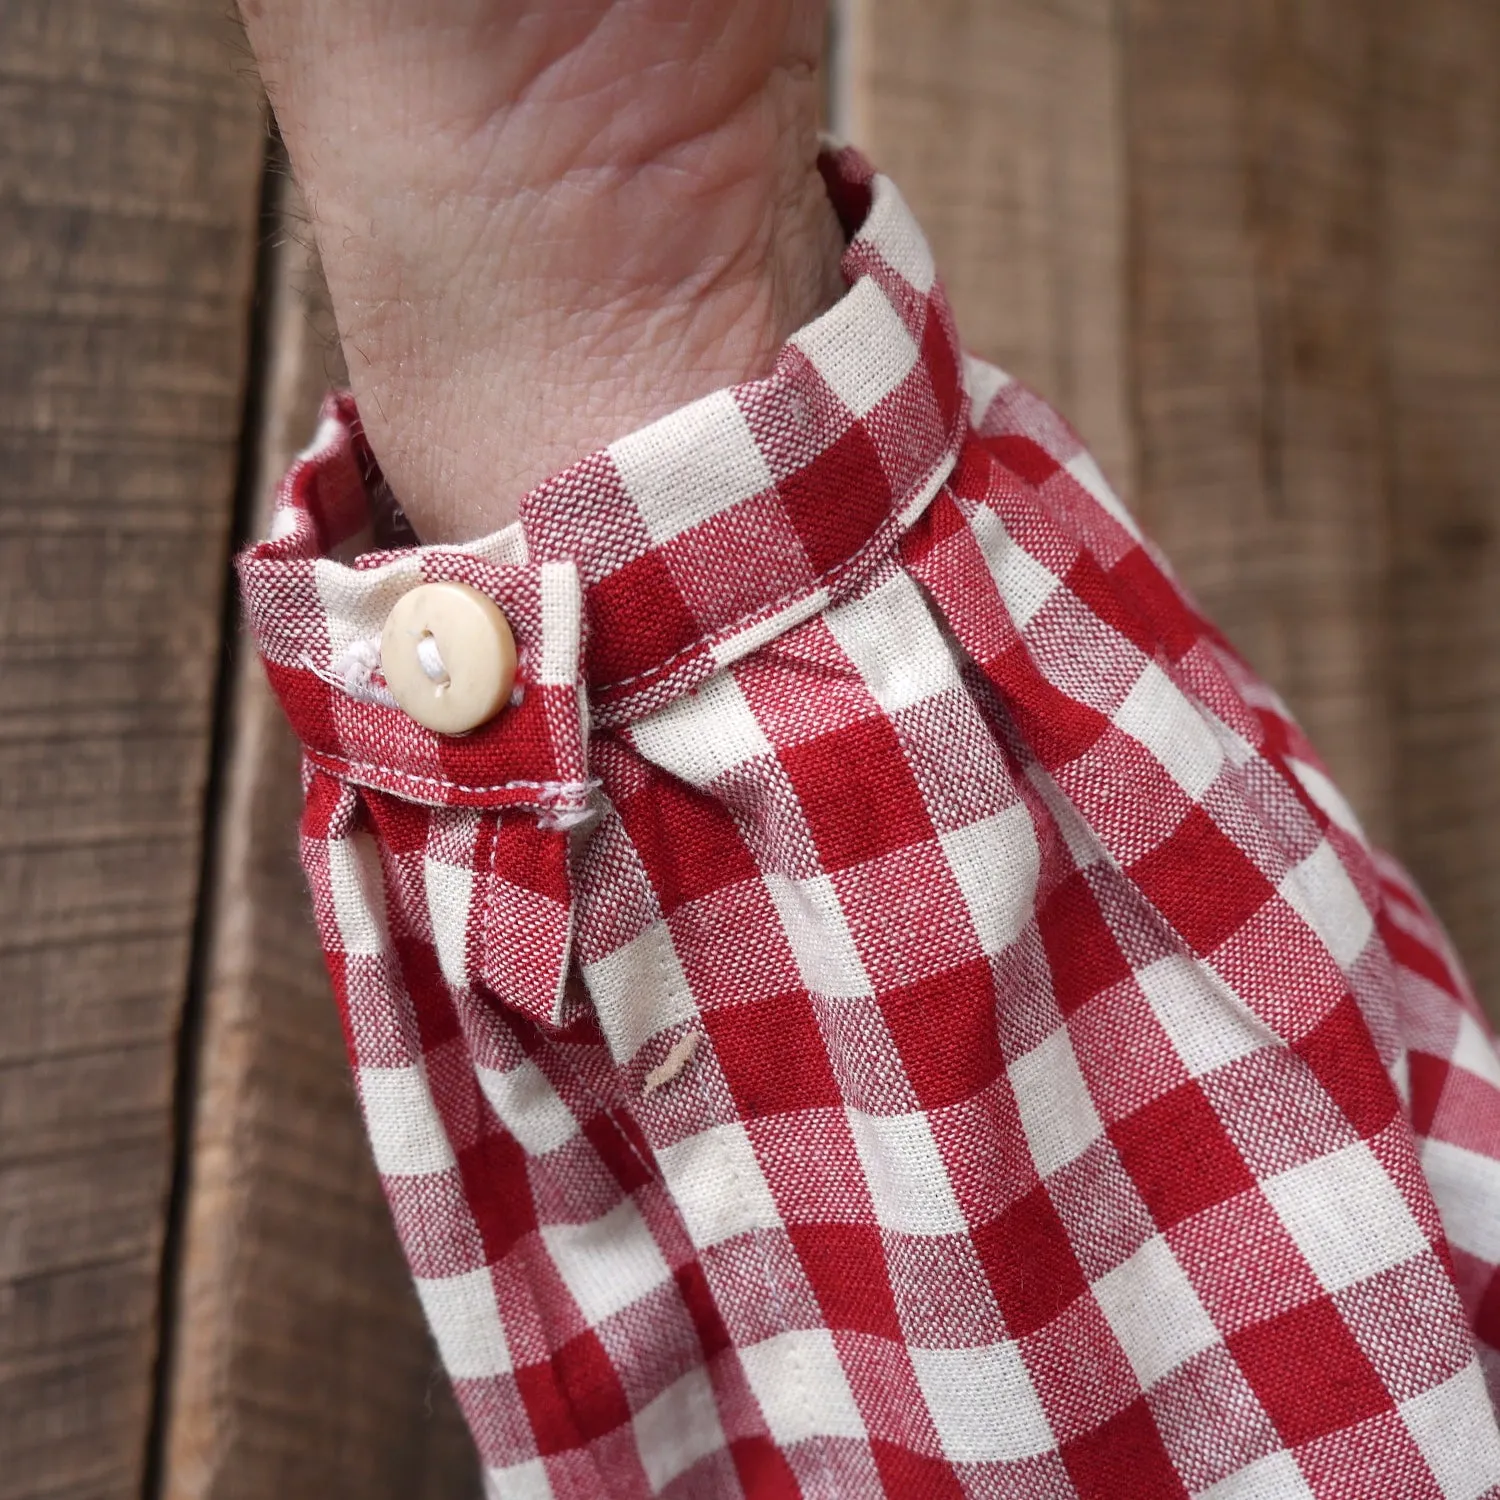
pixel 894 1007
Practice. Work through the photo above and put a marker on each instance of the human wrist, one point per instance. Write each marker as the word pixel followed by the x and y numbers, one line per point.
pixel 469 408
pixel 516 293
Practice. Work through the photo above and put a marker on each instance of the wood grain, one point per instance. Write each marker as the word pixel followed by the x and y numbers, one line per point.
pixel 129 169
pixel 1249 247
pixel 301 1364
pixel 1000 122
pixel 1255 341
pixel 1439 141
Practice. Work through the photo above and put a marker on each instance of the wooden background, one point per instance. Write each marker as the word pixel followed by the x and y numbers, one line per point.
pixel 1252 247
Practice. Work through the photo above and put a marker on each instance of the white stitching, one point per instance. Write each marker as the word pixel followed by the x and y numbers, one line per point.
pixel 354 674
pixel 430 659
pixel 898 521
pixel 578 791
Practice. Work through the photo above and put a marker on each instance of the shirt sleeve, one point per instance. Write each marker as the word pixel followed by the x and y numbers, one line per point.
pixel 888 1002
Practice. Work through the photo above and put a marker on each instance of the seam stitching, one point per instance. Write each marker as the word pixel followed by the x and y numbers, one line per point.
pixel 577 792
pixel 898 522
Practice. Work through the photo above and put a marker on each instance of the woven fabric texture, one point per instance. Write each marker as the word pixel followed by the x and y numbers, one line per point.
pixel 894 1007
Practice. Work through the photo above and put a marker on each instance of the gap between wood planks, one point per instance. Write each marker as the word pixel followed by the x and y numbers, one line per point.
pixel 248 478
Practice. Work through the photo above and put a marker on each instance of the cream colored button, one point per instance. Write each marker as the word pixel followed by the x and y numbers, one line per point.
pixel 448 656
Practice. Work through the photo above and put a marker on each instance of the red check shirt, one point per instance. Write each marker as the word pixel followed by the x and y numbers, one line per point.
pixel 894 1007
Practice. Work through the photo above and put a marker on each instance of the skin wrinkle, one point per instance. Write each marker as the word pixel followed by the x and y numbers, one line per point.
pixel 625 99
pixel 609 182
pixel 544 226
pixel 623 90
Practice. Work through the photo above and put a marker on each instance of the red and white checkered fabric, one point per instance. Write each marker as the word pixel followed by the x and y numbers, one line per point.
pixel 1064 1098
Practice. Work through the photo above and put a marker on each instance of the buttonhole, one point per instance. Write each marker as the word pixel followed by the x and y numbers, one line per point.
pixel 430 659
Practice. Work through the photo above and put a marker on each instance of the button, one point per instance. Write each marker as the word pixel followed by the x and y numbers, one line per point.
pixel 448 656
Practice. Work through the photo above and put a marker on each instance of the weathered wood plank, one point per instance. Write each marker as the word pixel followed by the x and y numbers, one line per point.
pixel 301 1365
pixel 1001 122
pixel 129 168
pixel 1439 142
pixel 1256 363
